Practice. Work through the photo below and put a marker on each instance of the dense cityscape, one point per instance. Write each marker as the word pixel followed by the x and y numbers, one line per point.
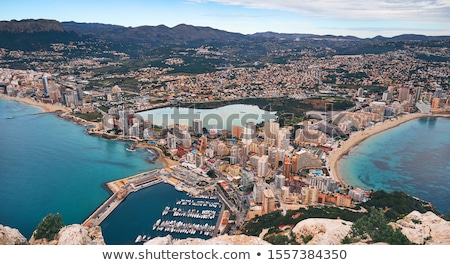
pixel 283 163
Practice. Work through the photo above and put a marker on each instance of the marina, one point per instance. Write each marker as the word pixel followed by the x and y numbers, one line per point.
pixel 198 203
pixel 191 216
pixel 142 239
pixel 174 226
pixel 190 213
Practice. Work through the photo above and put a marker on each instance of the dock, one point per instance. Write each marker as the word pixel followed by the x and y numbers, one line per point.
pixel 120 190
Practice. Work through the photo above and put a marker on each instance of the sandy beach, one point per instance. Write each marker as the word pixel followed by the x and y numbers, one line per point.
pixel 44 106
pixel 161 157
pixel 55 108
pixel 358 137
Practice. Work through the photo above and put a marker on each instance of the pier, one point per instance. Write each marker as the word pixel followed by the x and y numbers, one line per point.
pixel 120 190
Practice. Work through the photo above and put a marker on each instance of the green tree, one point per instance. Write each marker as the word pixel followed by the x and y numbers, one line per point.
pixel 375 226
pixel 49 227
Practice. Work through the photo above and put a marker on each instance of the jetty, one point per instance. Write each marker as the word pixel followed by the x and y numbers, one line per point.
pixel 120 189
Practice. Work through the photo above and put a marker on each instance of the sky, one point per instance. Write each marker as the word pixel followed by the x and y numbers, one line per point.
pixel 360 18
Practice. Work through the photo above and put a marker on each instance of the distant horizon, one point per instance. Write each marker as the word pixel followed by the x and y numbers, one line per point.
pixel 387 18
pixel 247 34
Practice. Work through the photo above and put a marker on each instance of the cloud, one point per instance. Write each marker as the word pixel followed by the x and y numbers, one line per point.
pixel 405 10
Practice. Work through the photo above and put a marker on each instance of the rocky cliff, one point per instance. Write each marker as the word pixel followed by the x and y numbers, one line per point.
pixel 69 235
pixel 11 236
pixel 322 231
pixel 426 228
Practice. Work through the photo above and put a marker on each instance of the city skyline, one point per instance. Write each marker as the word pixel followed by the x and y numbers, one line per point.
pixel 386 18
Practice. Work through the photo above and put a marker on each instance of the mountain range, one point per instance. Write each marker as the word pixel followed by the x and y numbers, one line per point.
pixel 39 33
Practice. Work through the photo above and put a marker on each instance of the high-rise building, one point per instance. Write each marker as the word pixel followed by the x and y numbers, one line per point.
pixel 254 159
pixel 309 195
pixel 360 92
pixel 202 144
pixel 323 183
pixel 295 162
pixel 268 201
pixel 344 201
pixel 199 160
pixel 271 129
pixel 262 149
pixel 418 94
pixel 280 181
pixel 285 192
pixel 171 141
pixel 357 195
pixel 222 149
pixel 263 166
pixel 186 140
pixel 243 155
pixel 248 177
pixel 237 131
pixel 438 93
pixel 45 84
pixel 287 167
pixel 403 94
pixel 234 155
pixel 386 96
pixel 197 126
pixel 283 138
pixel 435 103
pixel 258 192
pixel 249 134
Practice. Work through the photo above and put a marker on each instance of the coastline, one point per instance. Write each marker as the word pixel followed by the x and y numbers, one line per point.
pixel 161 157
pixel 356 138
pixel 44 106
pixel 332 161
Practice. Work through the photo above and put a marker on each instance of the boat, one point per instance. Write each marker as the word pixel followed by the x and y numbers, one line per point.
pixel 10 117
pixel 138 239
pixel 131 149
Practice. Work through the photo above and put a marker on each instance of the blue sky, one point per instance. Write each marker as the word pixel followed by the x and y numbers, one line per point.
pixel 361 18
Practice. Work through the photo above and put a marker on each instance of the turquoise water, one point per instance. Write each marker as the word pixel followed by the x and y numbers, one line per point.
pixel 413 157
pixel 50 165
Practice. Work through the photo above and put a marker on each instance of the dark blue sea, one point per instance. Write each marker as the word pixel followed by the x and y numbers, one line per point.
pixel 413 157
pixel 50 165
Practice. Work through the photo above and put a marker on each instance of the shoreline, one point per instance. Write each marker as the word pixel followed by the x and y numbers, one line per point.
pixel 332 161
pixel 358 137
pixel 44 106
pixel 50 108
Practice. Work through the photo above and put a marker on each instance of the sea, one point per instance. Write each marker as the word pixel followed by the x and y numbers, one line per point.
pixel 51 165
pixel 413 157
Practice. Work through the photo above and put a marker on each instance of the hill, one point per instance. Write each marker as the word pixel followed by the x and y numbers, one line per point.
pixel 151 35
pixel 31 35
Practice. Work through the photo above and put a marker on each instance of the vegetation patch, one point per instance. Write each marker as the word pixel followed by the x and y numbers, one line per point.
pixel 49 227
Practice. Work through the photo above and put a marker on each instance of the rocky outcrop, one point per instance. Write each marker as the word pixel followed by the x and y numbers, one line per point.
pixel 322 231
pixel 11 236
pixel 426 228
pixel 220 240
pixel 74 235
